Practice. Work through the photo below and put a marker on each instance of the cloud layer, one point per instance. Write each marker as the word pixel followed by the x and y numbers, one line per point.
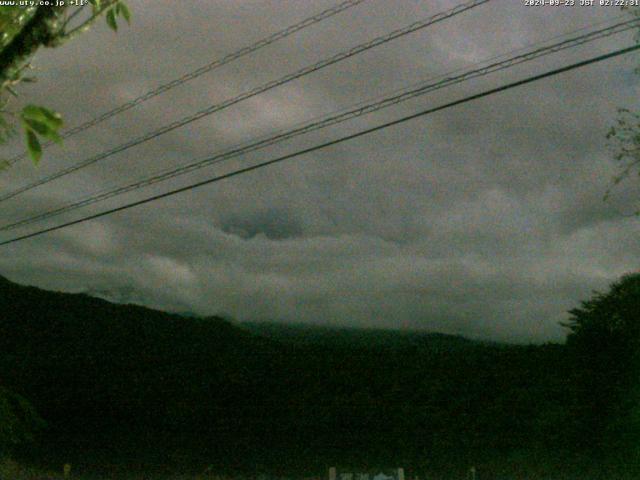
pixel 486 219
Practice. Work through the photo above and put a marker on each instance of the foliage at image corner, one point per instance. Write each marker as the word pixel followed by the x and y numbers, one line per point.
pixel 604 340
pixel 610 314
pixel 19 421
pixel 24 31
pixel 624 136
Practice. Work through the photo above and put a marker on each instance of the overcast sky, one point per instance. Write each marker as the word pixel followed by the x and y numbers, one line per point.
pixel 485 219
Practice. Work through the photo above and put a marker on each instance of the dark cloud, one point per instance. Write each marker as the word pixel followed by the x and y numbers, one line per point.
pixel 273 224
pixel 485 219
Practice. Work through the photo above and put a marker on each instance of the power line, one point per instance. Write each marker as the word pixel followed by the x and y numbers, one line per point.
pixel 252 93
pixel 307 22
pixel 332 119
pixel 345 138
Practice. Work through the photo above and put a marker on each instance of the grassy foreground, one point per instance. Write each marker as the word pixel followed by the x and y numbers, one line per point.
pixel 12 470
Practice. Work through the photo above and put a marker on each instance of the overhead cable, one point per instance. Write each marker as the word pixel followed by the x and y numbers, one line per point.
pixel 307 22
pixel 249 94
pixel 330 120
pixel 330 143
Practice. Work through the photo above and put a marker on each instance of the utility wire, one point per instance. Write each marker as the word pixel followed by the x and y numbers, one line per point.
pixel 307 22
pixel 333 119
pixel 336 141
pixel 252 93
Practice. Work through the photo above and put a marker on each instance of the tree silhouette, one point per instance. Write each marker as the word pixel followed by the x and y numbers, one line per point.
pixel 18 421
pixel 605 341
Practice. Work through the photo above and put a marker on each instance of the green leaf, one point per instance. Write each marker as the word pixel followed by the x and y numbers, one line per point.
pixel 36 126
pixel 42 121
pixel 124 11
pixel 6 129
pixel 111 20
pixel 96 4
pixel 54 137
pixel 43 115
pixel 33 146
pixel 43 129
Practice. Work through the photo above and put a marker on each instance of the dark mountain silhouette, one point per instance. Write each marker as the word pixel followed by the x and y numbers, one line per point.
pixel 301 334
pixel 124 386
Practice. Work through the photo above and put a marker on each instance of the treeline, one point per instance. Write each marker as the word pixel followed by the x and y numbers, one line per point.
pixel 125 387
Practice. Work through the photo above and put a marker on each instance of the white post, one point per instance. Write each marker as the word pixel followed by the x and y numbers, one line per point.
pixel 401 474
pixel 332 473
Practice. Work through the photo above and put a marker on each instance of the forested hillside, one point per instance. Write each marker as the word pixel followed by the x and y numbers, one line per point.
pixel 122 386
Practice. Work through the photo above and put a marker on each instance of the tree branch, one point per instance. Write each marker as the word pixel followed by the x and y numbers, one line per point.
pixel 87 23
pixel 40 30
